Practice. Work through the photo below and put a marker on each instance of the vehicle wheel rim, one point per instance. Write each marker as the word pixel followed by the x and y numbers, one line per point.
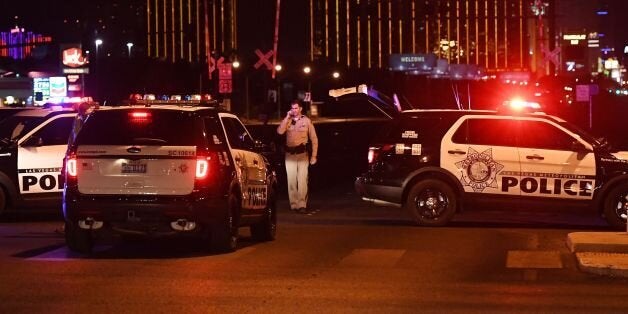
pixel 431 204
pixel 233 240
pixel 621 207
pixel 273 220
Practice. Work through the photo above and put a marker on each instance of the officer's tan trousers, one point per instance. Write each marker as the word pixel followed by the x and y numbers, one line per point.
pixel 297 171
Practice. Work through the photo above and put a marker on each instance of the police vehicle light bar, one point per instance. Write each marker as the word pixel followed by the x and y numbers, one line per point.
pixel 148 99
pixel 521 105
pixel 362 89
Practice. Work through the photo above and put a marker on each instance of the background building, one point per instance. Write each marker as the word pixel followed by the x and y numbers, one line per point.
pixel 189 29
pixel 498 35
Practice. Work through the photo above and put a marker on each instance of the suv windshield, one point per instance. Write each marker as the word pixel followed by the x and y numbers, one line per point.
pixel 140 127
pixel 14 127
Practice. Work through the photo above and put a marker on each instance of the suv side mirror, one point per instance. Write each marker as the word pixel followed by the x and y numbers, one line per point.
pixel 33 141
pixel 580 149
pixel 576 146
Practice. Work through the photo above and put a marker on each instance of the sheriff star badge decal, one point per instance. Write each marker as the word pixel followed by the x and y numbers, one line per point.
pixel 479 170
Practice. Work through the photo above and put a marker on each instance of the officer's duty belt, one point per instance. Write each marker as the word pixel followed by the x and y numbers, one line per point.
pixel 296 149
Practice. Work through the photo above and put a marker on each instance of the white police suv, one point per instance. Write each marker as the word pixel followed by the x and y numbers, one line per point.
pixel 32 145
pixel 167 170
pixel 434 162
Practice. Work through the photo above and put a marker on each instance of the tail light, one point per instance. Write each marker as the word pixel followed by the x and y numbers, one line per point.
pixel 69 171
pixel 373 152
pixel 202 167
pixel 206 163
pixel 70 166
pixel 376 151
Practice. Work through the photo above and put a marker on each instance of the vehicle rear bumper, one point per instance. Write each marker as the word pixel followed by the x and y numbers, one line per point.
pixel 148 215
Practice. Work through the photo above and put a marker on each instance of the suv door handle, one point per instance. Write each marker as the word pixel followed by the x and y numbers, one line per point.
pixel 537 157
pixel 457 152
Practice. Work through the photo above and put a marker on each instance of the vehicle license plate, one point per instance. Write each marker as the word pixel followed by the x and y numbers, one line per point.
pixel 134 167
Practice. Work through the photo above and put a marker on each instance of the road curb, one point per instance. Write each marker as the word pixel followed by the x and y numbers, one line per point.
pixel 606 242
pixel 605 264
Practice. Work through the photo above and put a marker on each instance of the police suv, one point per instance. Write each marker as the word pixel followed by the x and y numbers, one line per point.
pixel 165 170
pixel 434 162
pixel 32 145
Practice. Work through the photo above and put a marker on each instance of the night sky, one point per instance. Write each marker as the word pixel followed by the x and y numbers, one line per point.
pixel 47 16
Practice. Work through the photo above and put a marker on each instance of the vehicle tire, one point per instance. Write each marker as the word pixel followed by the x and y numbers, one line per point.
pixel 77 239
pixel 3 201
pixel 224 235
pixel 616 206
pixel 266 229
pixel 431 202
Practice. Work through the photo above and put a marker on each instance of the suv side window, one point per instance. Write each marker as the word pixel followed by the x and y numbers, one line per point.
pixel 490 132
pixel 213 131
pixel 56 132
pixel 539 134
pixel 237 135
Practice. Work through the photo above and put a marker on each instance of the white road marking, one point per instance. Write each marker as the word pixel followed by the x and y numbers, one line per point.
pixel 372 258
pixel 534 259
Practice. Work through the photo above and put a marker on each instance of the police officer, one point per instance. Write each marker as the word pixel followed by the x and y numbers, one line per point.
pixel 298 129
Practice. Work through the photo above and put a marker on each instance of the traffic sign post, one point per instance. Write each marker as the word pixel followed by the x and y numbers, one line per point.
pixel 225 81
pixel 585 93
pixel 225 87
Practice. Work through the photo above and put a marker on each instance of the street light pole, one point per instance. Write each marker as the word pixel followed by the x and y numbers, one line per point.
pixel 98 42
pixel 278 69
pixel 129 45
pixel 307 70
pixel 308 99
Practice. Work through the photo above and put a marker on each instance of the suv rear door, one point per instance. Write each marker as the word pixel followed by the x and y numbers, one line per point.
pixel 138 152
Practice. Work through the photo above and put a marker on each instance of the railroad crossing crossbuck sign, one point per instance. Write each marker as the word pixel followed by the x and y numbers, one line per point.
pixel 213 63
pixel 552 56
pixel 264 59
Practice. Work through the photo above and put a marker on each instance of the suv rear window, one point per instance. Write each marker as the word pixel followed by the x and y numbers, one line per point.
pixel 148 127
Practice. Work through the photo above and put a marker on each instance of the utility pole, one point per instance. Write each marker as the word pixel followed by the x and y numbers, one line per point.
pixel 539 8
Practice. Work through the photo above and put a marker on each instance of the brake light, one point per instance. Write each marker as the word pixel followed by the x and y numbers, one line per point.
pixel 202 167
pixel 70 167
pixel 373 152
pixel 139 117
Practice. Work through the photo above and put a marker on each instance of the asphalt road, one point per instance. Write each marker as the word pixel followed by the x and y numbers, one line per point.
pixel 347 257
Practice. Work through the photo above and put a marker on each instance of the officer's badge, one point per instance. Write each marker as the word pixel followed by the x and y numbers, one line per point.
pixel 479 170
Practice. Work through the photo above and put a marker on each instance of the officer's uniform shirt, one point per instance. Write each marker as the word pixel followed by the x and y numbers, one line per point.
pixel 299 132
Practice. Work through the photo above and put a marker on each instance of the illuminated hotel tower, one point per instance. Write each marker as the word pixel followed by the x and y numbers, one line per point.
pixel 496 34
pixel 186 29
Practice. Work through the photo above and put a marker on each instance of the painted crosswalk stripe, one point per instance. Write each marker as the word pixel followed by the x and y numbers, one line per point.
pixel 372 258
pixel 534 259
